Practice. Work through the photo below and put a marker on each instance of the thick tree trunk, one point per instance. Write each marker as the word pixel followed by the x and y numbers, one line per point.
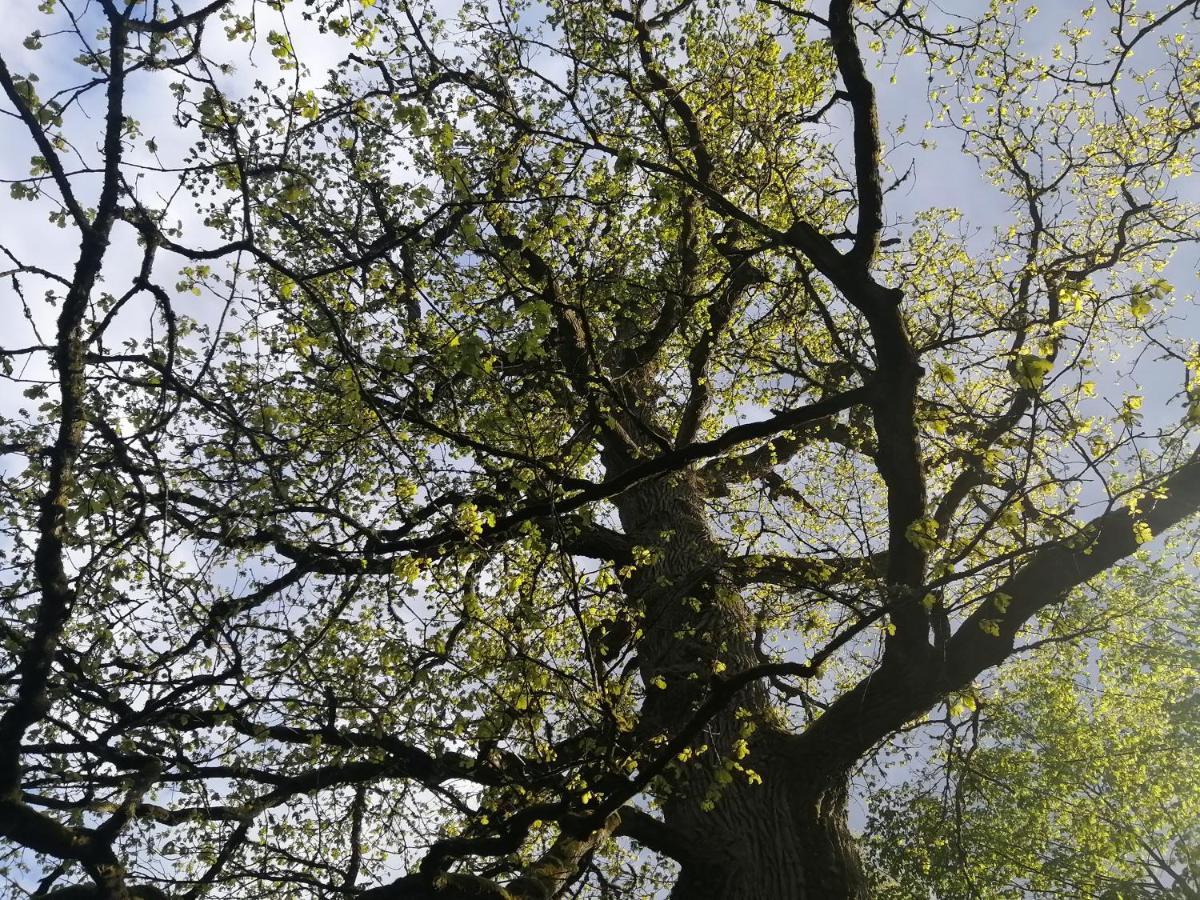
pixel 785 838
pixel 762 845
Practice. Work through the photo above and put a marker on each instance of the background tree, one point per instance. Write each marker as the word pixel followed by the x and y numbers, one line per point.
pixel 576 467
pixel 1076 776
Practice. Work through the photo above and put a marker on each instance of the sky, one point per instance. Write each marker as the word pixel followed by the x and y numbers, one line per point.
pixel 945 176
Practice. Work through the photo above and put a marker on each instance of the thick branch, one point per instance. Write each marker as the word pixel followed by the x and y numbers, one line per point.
pixel 727 470
pixel 867 146
pixel 58 596
pixel 560 865
pixel 904 688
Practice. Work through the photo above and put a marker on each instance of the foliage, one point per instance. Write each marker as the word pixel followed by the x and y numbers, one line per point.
pixel 536 450
pixel 1075 774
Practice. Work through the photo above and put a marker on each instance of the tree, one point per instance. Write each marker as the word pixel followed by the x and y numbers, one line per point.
pixel 578 465
pixel 1081 781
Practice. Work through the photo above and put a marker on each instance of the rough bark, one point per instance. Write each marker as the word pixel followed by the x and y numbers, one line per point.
pixel 785 838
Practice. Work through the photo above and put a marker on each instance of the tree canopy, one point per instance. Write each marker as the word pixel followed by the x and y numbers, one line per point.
pixel 571 449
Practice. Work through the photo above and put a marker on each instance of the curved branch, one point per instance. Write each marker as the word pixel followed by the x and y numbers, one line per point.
pixel 904 688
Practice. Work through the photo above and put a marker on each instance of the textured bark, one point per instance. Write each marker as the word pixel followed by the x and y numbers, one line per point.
pixel 785 838
pixel 782 840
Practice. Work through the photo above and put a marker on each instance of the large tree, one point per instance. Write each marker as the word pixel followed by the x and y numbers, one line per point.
pixel 596 436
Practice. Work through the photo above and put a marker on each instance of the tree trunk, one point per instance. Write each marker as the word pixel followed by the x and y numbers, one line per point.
pixel 772 841
pixel 785 838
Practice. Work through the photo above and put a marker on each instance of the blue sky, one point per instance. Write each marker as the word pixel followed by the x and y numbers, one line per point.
pixel 945 176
